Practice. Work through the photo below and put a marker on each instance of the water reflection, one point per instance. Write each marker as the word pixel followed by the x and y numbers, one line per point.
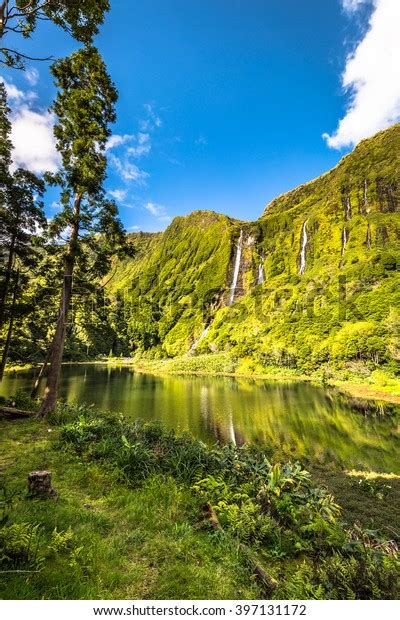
pixel 298 419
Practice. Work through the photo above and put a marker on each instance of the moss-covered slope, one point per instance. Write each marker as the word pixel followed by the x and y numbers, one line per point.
pixel 172 277
pixel 316 278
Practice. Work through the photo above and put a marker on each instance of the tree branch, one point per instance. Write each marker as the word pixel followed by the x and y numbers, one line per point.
pixel 6 50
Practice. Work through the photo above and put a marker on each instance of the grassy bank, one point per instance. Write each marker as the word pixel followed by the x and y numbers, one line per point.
pixel 379 385
pixel 103 539
pixel 129 523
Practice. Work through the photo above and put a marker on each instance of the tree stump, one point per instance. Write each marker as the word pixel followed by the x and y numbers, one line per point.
pixel 39 484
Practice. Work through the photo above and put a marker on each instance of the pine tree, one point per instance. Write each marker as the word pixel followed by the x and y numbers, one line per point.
pixel 21 211
pixel 84 109
pixel 5 145
pixel 20 218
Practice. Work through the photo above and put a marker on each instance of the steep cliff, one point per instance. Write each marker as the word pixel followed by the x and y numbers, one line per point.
pixel 315 281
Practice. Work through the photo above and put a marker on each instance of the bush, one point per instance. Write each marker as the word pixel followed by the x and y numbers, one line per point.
pixel 273 507
pixel 19 547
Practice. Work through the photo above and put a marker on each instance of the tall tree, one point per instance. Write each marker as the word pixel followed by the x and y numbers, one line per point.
pixel 7 343
pixel 20 218
pixel 81 18
pixel 5 145
pixel 21 210
pixel 84 109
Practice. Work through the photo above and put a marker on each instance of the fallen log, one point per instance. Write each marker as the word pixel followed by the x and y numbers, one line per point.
pixel 10 413
pixel 270 584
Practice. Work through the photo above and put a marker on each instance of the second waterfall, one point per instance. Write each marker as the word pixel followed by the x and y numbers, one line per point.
pixel 304 239
pixel 236 269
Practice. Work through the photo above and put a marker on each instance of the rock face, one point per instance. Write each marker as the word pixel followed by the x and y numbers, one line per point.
pixel 39 485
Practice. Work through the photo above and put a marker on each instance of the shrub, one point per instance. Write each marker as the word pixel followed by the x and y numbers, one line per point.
pixel 19 547
pixel 273 507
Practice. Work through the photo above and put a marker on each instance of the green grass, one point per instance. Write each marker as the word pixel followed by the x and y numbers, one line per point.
pixel 144 543
pixel 128 522
pixel 375 507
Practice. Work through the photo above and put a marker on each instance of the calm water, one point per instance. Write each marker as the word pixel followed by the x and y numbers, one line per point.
pixel 297 418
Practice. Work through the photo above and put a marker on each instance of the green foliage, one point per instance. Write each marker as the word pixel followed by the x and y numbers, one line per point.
pixel 104 540
pixel 338 317
pixel 84 108
pixel 5 144
pixel 61 541
pixel 86 547
pixel 21 215
pixel 19 547
pixel 342 578
pixel 21 400
pixel 340 312
pixel 366 577
pixel 375 488
pixel 80 19
pixel 275 508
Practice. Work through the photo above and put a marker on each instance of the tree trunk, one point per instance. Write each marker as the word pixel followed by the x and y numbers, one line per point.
pixel 3 8
pixel 10 329
pixel 57 349
pixel 41 374
pixel 7 280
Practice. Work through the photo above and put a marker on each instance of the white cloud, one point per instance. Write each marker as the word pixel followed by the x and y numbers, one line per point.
pixel 371 76
pixel 152 120
pixel 16 95
pixel 118 194
pixel 132 228
pixel 154 209
pixel 201 141
pixel 31 133
pixel 142 143
pixel 143 146
pixel 128 170
pixel 159 211
pixel 33 141
pixel 32 76
pixel 117 140
pixel 13 93
pixel 124 149
pixel 353 5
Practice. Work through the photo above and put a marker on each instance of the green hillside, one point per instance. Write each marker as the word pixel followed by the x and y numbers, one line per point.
pixel 317 275
pixel 171 278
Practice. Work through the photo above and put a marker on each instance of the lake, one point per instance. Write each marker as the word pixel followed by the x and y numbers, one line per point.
pixel 297 419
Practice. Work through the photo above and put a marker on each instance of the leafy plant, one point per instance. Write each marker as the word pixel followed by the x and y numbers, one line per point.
pixel 19 547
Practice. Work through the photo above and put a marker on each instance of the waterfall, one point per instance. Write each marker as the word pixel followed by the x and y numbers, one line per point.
pixel 200 338
pixel 261 276
pixel 236 269
pixel 365 193
pixel 345 238
pixel 369 237
pixel 304 239
pixel 348 208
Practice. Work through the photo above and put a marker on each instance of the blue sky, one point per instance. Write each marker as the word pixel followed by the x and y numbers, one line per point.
pixel 222 105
